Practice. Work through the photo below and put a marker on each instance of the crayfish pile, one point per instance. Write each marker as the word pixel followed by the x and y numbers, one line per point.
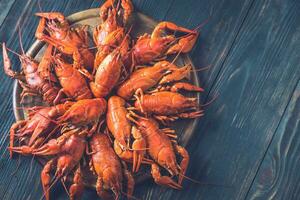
pixel 107 107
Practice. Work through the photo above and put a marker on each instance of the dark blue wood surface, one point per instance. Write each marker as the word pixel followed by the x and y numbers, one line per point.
pixel 249 139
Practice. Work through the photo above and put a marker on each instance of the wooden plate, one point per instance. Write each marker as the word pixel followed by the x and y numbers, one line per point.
pixel 141 24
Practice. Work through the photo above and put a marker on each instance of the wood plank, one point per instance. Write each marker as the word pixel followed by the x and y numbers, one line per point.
pixel 212 47
pixel 155 8
pixel 225 121
pixel 225 19
pixel 278 176
pixel 25 182
pixel 5 6
pixel 255 83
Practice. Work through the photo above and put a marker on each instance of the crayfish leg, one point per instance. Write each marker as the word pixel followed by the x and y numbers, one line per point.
pixel 38 142
pixel 165 120
pixel 195 114
pixel 127 155
pixel 12 134
pixel 26 91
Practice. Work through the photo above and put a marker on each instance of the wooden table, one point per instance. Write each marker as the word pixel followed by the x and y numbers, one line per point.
pixel 249 139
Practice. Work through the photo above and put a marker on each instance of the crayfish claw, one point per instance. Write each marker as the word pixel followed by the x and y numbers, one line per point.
pixel 195 114
pixel 184 45
pixel 51 15
pixel 163 180
pixel 21 150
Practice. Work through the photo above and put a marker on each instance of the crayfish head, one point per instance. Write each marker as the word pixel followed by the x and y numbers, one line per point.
pixel 58 29
pixel 28 64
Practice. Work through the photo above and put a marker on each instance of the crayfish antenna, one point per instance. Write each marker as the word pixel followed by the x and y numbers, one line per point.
pixel 39 5
pixel 128 195
pixel 210 101
pixel 118 5
pixel 20 39
pixel 177 55
pixel 55 122
pixel 10 50
pixel 65 187
pixel 17 168
pixel 204 183
pixel 54 180
pixel 201 25
pixel 127 34
pixel 202 68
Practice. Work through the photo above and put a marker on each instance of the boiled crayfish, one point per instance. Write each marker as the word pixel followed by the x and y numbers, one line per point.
pixel 158 75
pixel 162 150
pixel 168 106
pixel 149 48
pixel 107 112
pixel 54 29
pixel 30 78
pixel 108 168
pixel 122 131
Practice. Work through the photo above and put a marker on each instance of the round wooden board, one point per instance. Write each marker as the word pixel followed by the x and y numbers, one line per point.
pixel 141 24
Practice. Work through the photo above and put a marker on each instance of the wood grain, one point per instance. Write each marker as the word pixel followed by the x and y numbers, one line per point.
pixel 221 22
pixel 5 6
pixel 255 84
pixel 253 47
pixel 278 176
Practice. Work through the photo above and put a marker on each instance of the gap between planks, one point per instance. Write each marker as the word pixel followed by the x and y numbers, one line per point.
pixel 273 136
